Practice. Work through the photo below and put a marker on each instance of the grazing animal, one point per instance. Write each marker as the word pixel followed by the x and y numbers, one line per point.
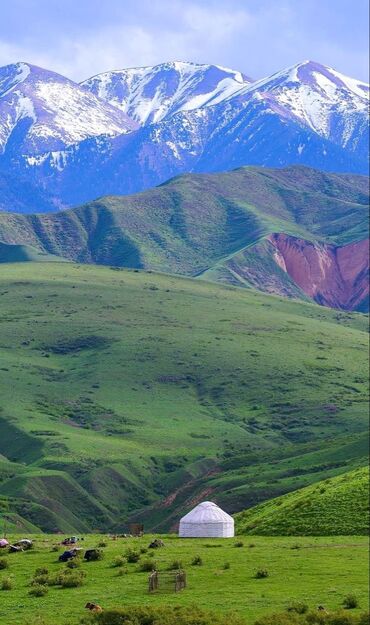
pixel 93 607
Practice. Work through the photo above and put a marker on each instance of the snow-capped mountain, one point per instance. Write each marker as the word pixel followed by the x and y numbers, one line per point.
pixel 150 94
pixel 42 111
pixel 124 131
pixel 331 104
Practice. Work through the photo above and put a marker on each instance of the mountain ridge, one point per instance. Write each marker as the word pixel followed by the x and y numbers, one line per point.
pixel 185 118
pixel 285 231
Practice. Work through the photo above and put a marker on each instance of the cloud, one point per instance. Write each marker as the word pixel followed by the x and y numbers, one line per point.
pixel 258 38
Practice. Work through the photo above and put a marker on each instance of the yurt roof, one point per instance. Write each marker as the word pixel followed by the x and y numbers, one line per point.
pixel 207 512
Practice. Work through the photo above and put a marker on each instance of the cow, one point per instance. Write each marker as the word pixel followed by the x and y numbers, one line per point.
pixel 93 607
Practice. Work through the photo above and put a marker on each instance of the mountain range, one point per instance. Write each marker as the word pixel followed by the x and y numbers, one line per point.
pixel 63 143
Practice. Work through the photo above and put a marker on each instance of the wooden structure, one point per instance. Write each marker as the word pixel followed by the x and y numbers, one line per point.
pixel 167 581
pixel 136 529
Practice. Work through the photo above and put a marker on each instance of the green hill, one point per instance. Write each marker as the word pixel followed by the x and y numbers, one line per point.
pixel 25 253
pixel 127 394
pixel 337 506
pixel 217 226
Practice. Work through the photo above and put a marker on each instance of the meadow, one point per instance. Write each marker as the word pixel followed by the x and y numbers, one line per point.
pixel 129 395
pixel 312 571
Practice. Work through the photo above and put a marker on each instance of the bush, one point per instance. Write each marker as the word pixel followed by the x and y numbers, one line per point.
pixel 251 545
pixel 132 556
pixel 175 565
pixel 41 580
pixel 350 602
pixel 38 590
pixel 122 571
pixel 298 607
pixel 119 561
pixel 314 618
pixel 226 566
pixel 163 615
pixel 55 548
pixel 4 564
pixel 94 555
pixel 7 583
pixel 261 573
pixel 239 544
pixel 102 543
pixel 71 579
pixel 73 564
pixel 42 570
pixel 197 561
pixel 144 550
pixel 147 566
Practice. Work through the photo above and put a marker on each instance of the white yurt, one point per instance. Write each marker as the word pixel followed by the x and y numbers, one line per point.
pixel 206 521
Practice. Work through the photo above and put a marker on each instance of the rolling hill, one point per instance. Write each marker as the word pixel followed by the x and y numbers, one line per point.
pixel 296 232
pixel 335 506
pixel 129 395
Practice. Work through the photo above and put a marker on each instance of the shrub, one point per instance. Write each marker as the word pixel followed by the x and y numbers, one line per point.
pixel 144 550
pixel 175 565
pixel 38 590
pixel 163 615
pixel 350 602
pixel 314 618
pixel 7 583
pixel 95 555
pixel 147 566
pixel 239 544
pixel 4 564
pixel 102 543
pixel 261 573
pixel 73 564
pixel 55 548
pixel 226 566
pixel 251 545
pixel 122 571
pixel 72 579
pixel 298 607
pixel 132 556
pixel 197 561
pixel 119 561
pixel 41 580
pixel 42 570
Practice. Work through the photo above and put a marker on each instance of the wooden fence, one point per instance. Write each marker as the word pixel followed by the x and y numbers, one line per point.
pixel 167 581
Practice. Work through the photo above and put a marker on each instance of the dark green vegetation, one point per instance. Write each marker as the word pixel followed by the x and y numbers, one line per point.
pixel 323 571
pixel 214 226
pixel 24 253
pixel 129 395
pixel 339 505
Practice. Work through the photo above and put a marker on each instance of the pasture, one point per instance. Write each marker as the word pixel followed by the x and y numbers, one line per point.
pixel 314 570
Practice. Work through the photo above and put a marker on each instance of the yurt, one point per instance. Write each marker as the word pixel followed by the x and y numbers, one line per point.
pixel 206 521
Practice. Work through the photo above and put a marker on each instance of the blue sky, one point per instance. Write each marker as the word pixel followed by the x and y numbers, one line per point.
pixel 80 38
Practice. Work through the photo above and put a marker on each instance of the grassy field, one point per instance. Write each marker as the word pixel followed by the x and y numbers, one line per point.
pixel 309 570
pixel 336 506
pixel 129 395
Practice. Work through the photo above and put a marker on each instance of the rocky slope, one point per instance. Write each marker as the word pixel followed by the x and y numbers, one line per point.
pixel 125 131
pixel 295 232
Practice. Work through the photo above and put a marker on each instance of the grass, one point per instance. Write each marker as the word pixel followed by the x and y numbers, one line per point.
pixel 128 394
pixel 324 571
pixel 337 506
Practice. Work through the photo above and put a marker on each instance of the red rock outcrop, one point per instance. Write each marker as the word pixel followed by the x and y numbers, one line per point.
pixel 332 276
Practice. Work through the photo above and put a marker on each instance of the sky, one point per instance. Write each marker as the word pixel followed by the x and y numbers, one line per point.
pixel 80 38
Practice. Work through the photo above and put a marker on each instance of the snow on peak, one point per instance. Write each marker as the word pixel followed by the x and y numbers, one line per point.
pixel 149 94
pixel 59 111
pixel 12 75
